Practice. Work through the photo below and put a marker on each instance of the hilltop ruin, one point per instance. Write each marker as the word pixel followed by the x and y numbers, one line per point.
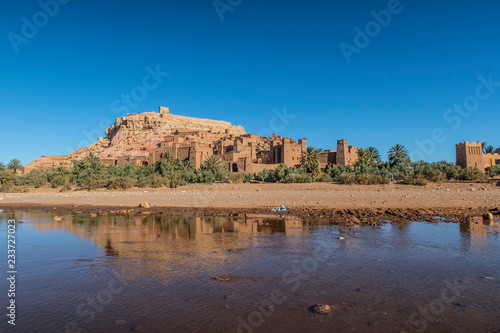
pixel 144 138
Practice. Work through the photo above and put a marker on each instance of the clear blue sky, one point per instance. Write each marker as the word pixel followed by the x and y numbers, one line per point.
pixel 58 89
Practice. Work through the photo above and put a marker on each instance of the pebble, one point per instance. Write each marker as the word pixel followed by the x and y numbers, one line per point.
pixel 341 238
pixel 321 308
pixel 120 321
pixel 488 217
pixel 57 218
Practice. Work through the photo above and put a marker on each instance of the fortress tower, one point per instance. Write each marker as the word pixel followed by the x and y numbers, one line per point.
pixel 470 155
pixel 346 155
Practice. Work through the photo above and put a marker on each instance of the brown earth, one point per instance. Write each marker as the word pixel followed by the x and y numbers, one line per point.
pixel 356 203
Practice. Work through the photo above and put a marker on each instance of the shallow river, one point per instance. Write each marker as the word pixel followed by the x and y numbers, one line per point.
pixel 249 274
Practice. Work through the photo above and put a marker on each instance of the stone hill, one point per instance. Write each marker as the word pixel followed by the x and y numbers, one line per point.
pixel 133 134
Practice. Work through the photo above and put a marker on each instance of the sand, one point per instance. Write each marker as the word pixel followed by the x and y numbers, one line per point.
pixel 268 195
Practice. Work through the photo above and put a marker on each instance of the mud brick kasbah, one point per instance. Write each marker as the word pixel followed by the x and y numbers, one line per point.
pixel 144 138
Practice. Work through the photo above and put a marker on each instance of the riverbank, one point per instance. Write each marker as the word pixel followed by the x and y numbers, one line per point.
pixel 322 200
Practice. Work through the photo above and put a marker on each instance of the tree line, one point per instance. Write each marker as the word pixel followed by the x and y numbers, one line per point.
pixel 169 171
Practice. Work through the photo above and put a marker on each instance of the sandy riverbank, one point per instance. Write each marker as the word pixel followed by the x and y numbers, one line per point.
pixel 322 199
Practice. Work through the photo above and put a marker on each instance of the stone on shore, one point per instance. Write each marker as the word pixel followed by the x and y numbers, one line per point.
pixel 144 205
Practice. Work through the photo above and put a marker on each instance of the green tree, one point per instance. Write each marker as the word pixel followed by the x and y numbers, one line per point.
pixel 397 152
pixel 15 165
pixel 213 163
pixel 484 144
pixel 369 157
pixel 310 159
pixel 2 166
pixel 489 149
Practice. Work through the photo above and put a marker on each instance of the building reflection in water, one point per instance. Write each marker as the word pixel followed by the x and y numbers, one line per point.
pixel 474 232
pixel 151 236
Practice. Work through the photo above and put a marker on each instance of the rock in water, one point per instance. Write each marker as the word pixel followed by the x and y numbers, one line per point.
pixel 488 217
pixel 57 218
pixel 144 205
pixel 321 308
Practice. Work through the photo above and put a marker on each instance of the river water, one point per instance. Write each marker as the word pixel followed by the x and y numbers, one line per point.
pixel 249 273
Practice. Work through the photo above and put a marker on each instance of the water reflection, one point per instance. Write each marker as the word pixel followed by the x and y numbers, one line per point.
pixel 475 233
pixel 375 277
pixel 129 236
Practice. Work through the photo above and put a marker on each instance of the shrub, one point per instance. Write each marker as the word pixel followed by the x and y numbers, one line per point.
pixel 6 188
pixel 494 171
pixel 237 178
pixel 154 181
pixel 346 178
pixel 222 176
pixel 39 181
pixel 280 172
pixel 263 175
pixel 120 183
pixel 298 178
pixel 92 183
pixel 326 178
pixel 248 177
pixel 362 179
pixel 177 182
pixel 418 180
pixel 205 176
pixel 8 178
pixel 370 179
pixel 437 176
pixel 66 188
pixel 335 171
pixel 57 181
pixel 472 174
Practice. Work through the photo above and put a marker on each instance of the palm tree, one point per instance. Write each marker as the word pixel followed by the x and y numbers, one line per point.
pixel 15 165
pixel 370 156
pixel 213 163
pixel 489 149
pixel 187 165
pixel 483 145
pixel 62 171
pixel 397 151
pixel 310 159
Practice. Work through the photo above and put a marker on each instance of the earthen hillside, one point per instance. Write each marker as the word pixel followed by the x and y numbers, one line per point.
pixel 134 134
